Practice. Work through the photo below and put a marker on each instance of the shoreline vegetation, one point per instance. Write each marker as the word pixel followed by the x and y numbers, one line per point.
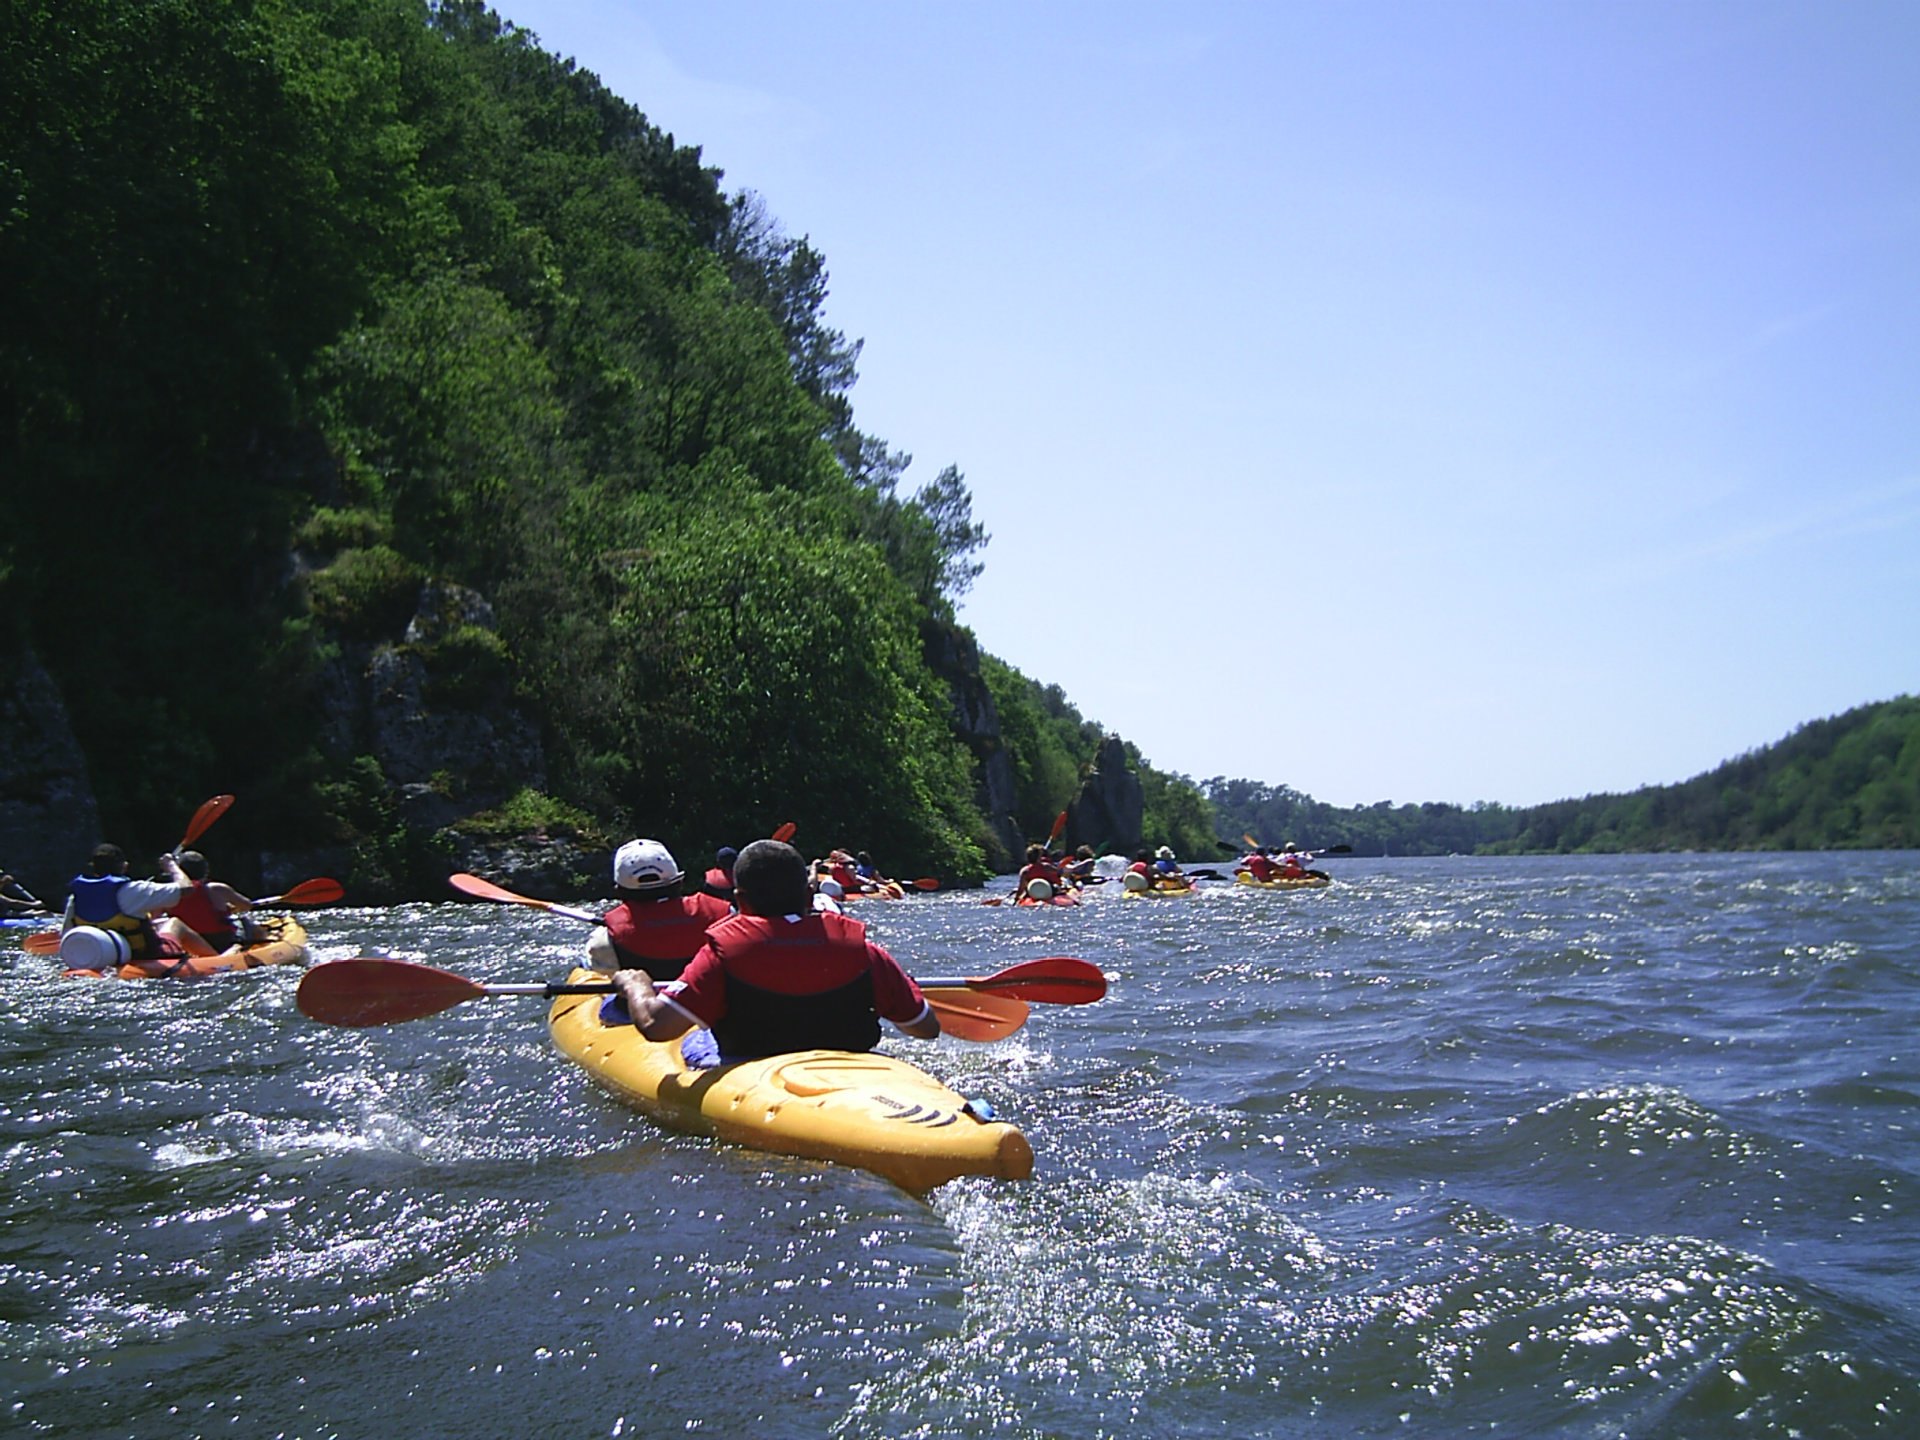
pixel 415 440
pixel 1851 781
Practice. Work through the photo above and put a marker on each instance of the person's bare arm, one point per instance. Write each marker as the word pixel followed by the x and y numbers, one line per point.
pixel 228 898
pixel 652 1015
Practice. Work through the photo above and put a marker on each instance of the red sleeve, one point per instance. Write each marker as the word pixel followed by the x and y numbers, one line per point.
pixel 895 996
pixel 701 990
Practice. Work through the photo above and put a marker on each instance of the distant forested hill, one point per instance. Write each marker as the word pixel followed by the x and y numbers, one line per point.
pixel 372 380
pixel 1851 781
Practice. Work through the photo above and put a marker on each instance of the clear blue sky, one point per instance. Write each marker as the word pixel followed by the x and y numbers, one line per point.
pixel 1396 401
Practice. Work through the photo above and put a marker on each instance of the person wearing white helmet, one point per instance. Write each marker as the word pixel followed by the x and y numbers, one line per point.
pixel 781 976
pixel 654 927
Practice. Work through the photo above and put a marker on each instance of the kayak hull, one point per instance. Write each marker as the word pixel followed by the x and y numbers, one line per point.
pixel 868 1111
pixel 285 944
pixel 1296 882
pixel 892 890
pixel 1161 892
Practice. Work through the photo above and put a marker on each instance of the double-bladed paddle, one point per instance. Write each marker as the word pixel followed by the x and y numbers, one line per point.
pixel 375 990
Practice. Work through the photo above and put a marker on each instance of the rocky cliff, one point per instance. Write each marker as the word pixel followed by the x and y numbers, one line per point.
pixel 1109 811
pixel 954 657
pixel 48 818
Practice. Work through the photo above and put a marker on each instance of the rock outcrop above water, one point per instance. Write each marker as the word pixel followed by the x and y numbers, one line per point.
pixel 1110 810
pixel 954 657
pixel 436 711
pixel 49 820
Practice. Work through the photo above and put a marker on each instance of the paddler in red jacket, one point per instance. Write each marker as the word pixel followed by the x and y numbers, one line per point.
pixel 780 976
pixel 1040 868
pixel 1256 864
pixel 653 928
pixel 210 907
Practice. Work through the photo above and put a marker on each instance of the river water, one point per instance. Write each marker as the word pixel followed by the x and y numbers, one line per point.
pixel 1543 1147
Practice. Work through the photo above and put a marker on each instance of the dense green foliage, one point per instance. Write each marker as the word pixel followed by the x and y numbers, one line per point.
pixel 1049 743
pixel 1851 781
pixel 385 288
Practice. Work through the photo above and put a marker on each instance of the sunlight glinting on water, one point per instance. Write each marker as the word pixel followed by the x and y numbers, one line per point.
pixel 1550 1148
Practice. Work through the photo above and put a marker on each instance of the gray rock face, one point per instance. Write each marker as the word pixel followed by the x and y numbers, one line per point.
pixel 48 818
pixel 547 866
pixel 450 748
pixel 1110 810
pixel 954 657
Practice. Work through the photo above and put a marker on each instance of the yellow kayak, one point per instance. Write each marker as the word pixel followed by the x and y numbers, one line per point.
pixel 870 1111
pixel 1308 881
pixel 1159 892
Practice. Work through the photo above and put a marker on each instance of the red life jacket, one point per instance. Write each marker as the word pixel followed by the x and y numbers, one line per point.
pixel 661 936
pixel 805 986
pixel 197 910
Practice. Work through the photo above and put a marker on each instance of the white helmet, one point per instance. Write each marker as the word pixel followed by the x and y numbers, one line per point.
pixel 86 947
pixel 1038 889
pixel 644 865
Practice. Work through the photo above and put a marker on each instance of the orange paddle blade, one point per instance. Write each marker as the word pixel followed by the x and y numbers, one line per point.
pixel 209 812
pixel 486 890
pixel 373 990
pixel 968 1015
pixel 785 832
pixel 1059 824
pixel 42 942
pixel 926 882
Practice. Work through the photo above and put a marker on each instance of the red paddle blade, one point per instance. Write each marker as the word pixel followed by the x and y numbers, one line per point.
pixel 926 882
pixel 320 891
pixel 969 1015
pixel 785 832
pixel 1059 824
pixel 1056 980
pixel 211 811
pixel 373 990
pixel 42 942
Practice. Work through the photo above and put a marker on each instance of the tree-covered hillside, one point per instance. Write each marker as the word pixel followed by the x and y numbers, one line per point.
pixel 1851 781
pixel 311 304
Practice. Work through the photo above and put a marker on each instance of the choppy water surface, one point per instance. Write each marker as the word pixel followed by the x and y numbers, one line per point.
pixel 1540 1147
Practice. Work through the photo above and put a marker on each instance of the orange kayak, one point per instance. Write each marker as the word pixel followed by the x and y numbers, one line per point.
pixel 284 943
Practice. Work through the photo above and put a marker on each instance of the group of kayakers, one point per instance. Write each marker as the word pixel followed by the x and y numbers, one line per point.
pixel 1265 864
